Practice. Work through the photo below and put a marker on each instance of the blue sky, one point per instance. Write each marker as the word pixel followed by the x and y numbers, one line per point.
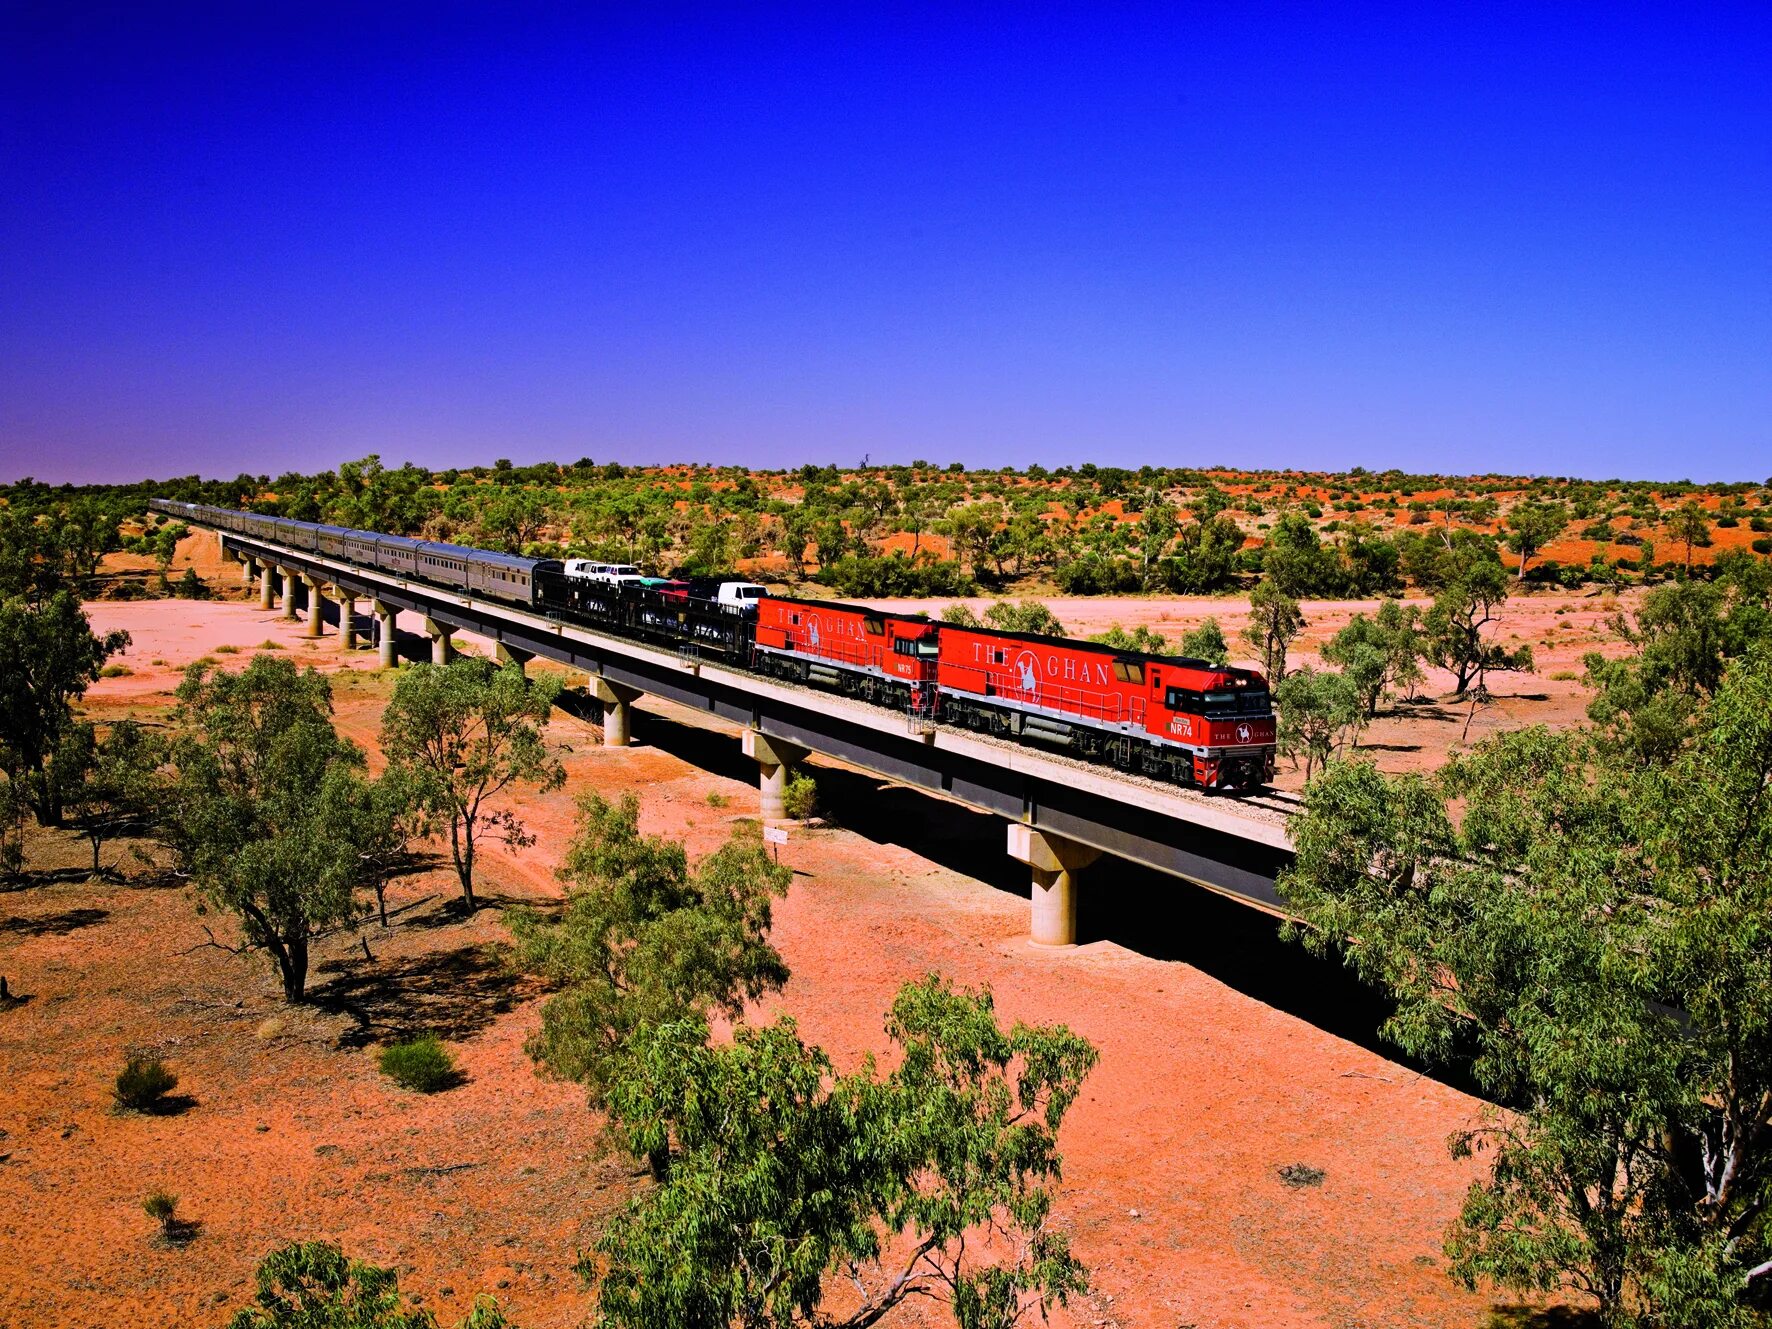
pixel 1448 238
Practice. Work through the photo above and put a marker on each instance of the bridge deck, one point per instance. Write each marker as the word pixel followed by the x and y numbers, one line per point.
pixel 1210 841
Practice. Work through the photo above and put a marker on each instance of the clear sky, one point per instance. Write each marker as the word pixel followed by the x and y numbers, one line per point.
pixel 269 236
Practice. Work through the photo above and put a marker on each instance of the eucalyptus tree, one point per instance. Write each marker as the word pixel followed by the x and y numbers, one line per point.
pixel 1593 940
pixel 461 737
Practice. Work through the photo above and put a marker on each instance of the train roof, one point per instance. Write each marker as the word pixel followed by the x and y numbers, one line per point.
pixel 854 608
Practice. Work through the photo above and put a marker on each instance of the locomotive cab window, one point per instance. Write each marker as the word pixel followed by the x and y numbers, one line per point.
pixel 1219 704
pixel 928 647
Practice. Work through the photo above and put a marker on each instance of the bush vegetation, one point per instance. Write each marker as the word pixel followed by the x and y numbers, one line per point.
pixel 421 1064
pixel 143 1083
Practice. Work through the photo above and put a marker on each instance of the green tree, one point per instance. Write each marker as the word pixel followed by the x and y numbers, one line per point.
pixel 1274 624
pixel 1690 525
pixel 1681 639
pixel 314 1285
pixel 1145 640
pixel 1532 525
pixel 784 1174
pixel 118 789
pixel 1452 629
pixel 643 941
pixel 1379 653
pixel 1317 710
pixel 1206 642
pixel 514 518
pixel 49 656
pixel 259 775
pixel 1594 940
pixel 461 735
pixel 1025 616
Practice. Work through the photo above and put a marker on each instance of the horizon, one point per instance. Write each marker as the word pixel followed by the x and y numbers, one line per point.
pixel 1458 243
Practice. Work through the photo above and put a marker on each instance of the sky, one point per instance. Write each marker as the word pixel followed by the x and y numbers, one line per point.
pixel 1529 239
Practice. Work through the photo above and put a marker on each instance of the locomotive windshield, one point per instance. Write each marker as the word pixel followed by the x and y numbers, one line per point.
pixel 1220 705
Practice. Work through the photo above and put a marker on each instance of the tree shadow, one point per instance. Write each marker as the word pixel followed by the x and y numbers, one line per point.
pixel 168 1105
pixel 1388 747
pixel 453 994
pixel 177 1233
pixel 54 925
pixel 1540 1317
pixel 31 878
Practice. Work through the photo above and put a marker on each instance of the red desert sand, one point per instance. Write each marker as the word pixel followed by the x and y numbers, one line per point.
pixel 285 1129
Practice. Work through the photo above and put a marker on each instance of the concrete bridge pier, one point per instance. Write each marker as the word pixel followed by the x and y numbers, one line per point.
pixel 384 632
pixel 286 579
pixel 267 596
pixel 347 618
pixel 1056 862
pixel 315 600
pixel 442 641
pixel 246 566
pixel 516 655
pixel 775 760
pixel 618 700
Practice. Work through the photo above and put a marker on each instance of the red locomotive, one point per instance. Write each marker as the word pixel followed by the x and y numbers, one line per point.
pixel 1180 720
pixel 879 657
pixel 1184 721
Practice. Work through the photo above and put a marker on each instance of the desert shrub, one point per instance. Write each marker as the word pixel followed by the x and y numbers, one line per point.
pixel 129 590
pixel 422 1064
pixel 162 1207
pixel 115 671
pixel 143 1083
pixel 800 799
pixel 717 800
pixel 1763 545
pixel 315 1285
pixel 1759 523
pixel 270 645
pixel 1728 521
pixel 227 650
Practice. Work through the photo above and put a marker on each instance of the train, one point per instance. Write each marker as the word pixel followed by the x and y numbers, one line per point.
pixel 1179 720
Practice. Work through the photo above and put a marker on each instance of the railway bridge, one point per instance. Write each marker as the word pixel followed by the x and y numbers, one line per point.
pixel 1061 815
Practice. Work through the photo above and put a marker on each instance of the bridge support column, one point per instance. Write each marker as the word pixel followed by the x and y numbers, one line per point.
pixel 776 759
pixel 347 618
pixel 1055 862
pixel 246 569
pixel 512 655
pixel 286 578
pixel 315 600
pixel 617 699
pixel 266 592
pixel 442 641
pixel 384 632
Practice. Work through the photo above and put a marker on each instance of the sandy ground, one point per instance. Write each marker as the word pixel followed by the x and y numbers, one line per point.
pixel 1225 1056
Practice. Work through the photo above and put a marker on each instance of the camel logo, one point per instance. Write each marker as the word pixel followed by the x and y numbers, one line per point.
pixel 1025 667
pixel 1244 733
pixel 812 630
